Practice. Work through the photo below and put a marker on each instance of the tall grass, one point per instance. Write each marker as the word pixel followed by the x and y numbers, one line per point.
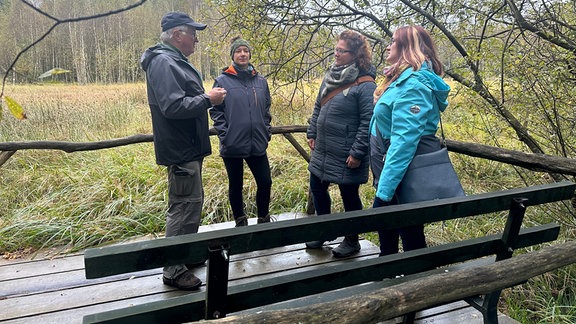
pixel 83 199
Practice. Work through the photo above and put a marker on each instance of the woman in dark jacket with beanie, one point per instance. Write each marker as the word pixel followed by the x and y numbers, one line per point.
pixel 338 132
pixel 243 125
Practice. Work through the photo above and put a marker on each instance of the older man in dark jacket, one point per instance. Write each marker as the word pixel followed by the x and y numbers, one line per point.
pixel 178 105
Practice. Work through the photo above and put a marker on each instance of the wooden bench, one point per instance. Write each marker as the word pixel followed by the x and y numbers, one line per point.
pixel 219 299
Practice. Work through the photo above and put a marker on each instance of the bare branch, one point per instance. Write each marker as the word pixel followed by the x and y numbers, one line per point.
pixel 524 24
pixel 56 23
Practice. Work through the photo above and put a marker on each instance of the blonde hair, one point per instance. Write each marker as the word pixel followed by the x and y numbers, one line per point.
pixel 415 46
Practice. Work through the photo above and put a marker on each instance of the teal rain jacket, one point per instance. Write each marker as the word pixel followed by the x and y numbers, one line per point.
pixel 409 109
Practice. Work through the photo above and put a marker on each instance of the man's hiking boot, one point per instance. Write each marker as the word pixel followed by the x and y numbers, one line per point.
pixel 186 281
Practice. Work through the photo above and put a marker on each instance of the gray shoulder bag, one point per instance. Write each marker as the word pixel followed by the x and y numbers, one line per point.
pixel 429 176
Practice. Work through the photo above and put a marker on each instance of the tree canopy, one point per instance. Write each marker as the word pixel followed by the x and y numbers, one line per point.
pixel 513 61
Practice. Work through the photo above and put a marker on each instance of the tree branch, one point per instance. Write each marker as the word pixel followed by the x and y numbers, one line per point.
pixel 524 24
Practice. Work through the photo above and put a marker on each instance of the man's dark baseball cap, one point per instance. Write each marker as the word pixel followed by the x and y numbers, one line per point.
pixel 173 19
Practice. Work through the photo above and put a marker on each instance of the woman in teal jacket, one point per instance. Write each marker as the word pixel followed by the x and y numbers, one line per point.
pixel 404 123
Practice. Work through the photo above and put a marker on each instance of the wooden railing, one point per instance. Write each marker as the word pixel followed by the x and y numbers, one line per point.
pixel 535 162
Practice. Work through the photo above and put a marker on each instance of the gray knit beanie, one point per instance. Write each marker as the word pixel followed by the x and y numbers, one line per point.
pixel 237 42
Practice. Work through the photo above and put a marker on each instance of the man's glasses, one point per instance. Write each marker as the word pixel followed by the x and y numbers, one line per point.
pixel 341 51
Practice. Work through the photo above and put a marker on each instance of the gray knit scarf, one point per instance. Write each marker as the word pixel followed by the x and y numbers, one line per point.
pixel 339 75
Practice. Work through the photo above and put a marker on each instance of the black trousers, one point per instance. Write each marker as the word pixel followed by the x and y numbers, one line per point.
pixel 322 201
pixel 260 167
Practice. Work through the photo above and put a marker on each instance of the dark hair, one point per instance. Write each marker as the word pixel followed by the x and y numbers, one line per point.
pixel 358 44
pixel 416 46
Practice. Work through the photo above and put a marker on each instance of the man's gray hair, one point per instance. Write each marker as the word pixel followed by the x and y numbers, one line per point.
pixel 166 36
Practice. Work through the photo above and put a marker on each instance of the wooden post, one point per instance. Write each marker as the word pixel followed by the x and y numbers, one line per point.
pixel 5 156
pixel 217 282
pixel 310 209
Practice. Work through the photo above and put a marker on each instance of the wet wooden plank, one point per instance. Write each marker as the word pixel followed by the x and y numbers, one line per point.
pixel 56 288
pixel 75 315
pixel 29 298
pixel 27 269
pixel 455 313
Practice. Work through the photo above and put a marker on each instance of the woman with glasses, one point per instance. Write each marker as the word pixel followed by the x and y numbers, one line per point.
pixel 338 132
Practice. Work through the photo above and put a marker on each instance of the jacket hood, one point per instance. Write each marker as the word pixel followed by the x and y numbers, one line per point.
pixel 157 49
pixel 371 72
pixel 433 81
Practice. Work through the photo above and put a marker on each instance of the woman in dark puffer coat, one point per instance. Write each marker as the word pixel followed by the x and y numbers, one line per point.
pixel 338 132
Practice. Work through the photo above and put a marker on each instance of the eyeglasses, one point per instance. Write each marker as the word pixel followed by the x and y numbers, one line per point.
pixel 341 51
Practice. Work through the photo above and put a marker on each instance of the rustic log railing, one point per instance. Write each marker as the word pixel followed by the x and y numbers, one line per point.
pixel 531 161
pixel 558 167
pixel 423 292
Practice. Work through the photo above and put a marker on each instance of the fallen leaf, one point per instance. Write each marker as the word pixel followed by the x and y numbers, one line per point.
pixel 15 108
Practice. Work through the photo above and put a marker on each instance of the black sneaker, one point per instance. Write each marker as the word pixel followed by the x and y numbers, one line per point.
pixel 185 281
pixel 241 221
pixel 346 249
pixel 314 244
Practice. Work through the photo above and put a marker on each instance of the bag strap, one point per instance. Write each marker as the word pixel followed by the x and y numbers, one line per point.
pixel 442 129
pixel 331 94
pixel 380 140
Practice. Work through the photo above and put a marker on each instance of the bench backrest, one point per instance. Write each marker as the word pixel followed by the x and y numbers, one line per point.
pixel 221 299
pixel 106 261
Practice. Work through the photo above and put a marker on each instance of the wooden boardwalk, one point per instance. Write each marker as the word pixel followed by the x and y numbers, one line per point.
pixel 55 290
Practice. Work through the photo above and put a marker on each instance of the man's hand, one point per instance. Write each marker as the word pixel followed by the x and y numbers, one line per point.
pixel 216 96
